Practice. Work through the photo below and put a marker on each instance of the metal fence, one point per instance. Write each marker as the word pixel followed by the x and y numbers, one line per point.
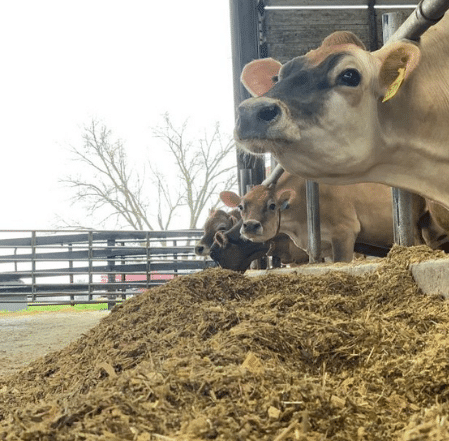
pixel 68 267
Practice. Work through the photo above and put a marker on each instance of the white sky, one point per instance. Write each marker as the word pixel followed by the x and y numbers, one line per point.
pixel 124 62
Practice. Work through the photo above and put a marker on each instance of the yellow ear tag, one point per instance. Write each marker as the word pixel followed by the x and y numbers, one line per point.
pixel 395 85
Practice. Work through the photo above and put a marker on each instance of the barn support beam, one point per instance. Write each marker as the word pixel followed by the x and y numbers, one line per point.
pixel 313 221
pixel 403 233
pixel 245 43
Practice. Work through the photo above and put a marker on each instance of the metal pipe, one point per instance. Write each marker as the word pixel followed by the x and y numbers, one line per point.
pixel 274 176
pixel 313 221
pixel 244 17
pixel 426 14
pixel 403 233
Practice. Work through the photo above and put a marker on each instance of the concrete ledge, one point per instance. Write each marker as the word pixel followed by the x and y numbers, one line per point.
pixel 431 276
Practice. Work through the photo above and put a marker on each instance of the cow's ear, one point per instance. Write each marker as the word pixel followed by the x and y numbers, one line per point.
pixel 284 197
pixel 398 60
pixel 258 75
pixel 230 199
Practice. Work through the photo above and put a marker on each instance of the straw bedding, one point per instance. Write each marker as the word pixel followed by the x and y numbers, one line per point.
pixel 220 356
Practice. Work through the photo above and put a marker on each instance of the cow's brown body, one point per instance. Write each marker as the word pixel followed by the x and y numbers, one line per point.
pixel 351 214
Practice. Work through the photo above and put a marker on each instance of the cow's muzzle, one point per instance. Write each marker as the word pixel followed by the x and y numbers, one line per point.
pixel 251 227
pixel 255 116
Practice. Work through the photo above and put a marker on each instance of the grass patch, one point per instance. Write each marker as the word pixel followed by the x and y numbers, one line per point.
pixel 65 308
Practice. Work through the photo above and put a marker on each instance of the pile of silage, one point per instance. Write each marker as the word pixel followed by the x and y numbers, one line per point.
pixel 220 356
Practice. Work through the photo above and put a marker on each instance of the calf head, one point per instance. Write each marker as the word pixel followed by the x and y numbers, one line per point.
pixel 260 210
pixel 319 113
pixel 232 251
pixel 218 220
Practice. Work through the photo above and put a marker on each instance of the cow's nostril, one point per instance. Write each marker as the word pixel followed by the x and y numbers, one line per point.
pixel 269 113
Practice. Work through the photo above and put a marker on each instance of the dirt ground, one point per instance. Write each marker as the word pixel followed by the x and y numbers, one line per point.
pixel 27 336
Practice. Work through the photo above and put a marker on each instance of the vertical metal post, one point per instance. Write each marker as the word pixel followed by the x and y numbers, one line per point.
pixel 111 274
pixel 90 265
pixel 372 25
pixel 72 296
pixel 245 48
pixel 402 200
pixel 148 259
pixel 123 277
pixel 175 257
pixel 313 221
pixel 33 265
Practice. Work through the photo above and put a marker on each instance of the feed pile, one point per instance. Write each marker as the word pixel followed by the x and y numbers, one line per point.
pixel 220 356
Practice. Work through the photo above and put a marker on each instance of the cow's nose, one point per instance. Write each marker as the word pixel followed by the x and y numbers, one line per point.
pixel 252 227
pixel 200 250
pixel 255 117
pixel 268 113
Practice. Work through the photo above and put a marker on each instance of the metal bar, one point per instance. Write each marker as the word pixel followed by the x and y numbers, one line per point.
pixel 329 4
pixel 313 221
pixel 427 13
pixel 372 25
pixel 244 17
pixel 71 268
pixel 246 179
pixel 175 258
pixel 403 232
pixel 111 264
pixel 90 235
pixel 33 262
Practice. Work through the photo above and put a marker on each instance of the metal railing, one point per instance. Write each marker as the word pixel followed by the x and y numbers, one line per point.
pixel 78 266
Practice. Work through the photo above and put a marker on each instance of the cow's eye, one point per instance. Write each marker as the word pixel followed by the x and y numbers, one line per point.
pixel 272 207
pixel 350 77
pixel 240 207
pixel 275 79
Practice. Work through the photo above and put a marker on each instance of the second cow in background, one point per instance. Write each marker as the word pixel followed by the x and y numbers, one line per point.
pixel 350 214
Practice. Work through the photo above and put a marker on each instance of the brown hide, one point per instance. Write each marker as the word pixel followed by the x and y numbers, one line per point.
pixel 350 214
pixel 435 226
pixel 218 220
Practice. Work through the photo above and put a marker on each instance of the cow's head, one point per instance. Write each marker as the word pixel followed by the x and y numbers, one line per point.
pixel 260 209
pixel 218 220
pixel 319 113
pixel 232 251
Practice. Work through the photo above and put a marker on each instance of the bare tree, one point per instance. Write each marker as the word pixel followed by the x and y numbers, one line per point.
pixel 201 166
pixel 113 190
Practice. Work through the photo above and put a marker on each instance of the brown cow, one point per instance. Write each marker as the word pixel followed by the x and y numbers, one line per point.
pixel 434 226
pixel 342 115
pixel 232 251
pixel 350 214
pixel 218 220
pixel 230 256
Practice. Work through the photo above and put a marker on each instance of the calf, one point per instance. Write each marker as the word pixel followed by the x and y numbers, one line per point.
pixel 342 115
pixel 218 220
pixel 350 214
pixel 232 251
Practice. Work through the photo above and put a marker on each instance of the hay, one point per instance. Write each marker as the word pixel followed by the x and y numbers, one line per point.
pixel 219 356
